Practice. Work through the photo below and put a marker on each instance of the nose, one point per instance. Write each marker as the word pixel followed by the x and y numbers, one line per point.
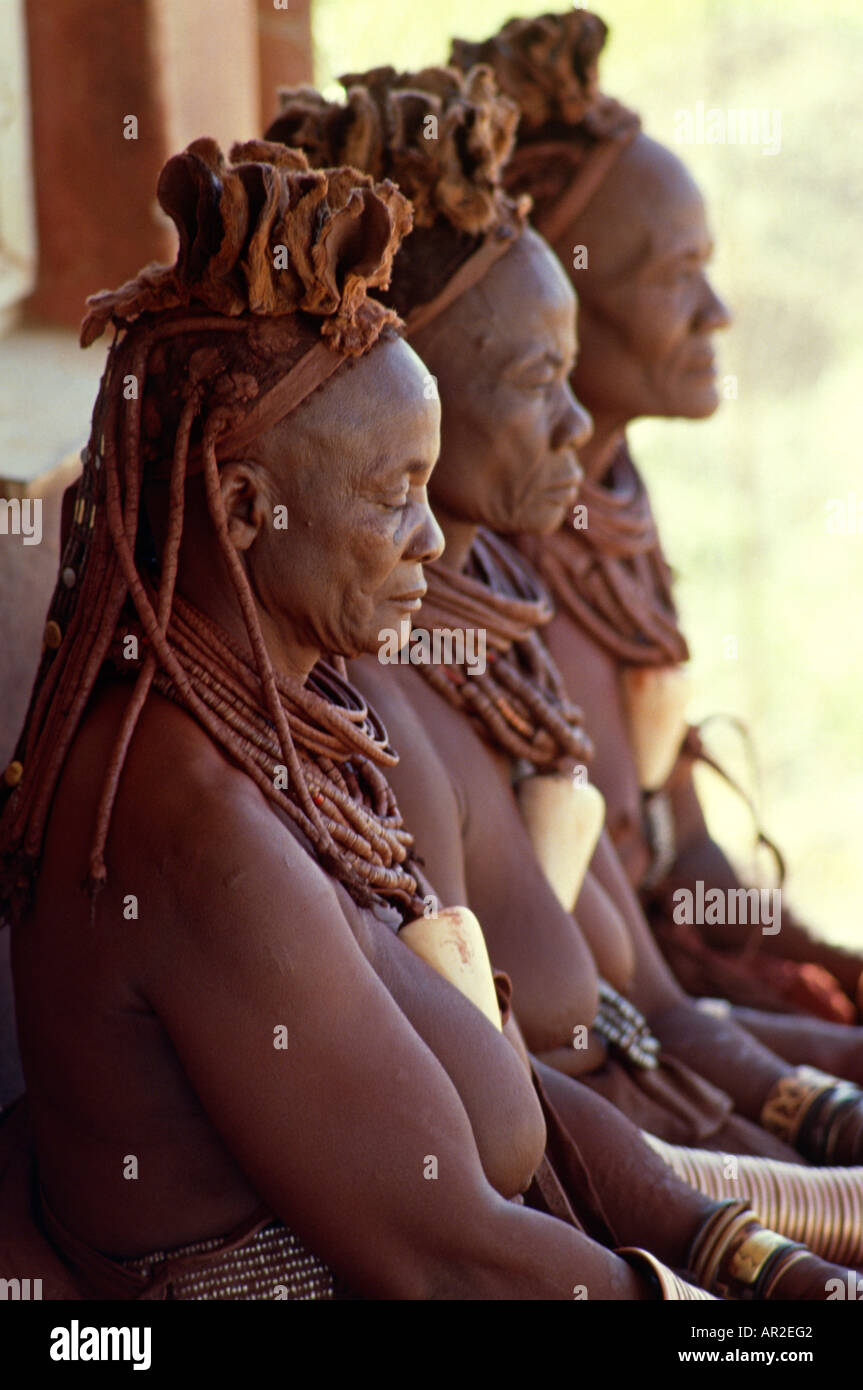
pixel 574 426
pixel 714 313
pixel 427 539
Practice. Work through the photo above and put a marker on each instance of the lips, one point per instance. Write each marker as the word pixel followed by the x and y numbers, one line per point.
pixel 567 483
pixel 411 600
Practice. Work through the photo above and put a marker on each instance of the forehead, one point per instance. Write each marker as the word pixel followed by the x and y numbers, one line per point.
pixel 682 231
pixel 647 209
pixel 660 200
pixel 373 410
pixel 523 301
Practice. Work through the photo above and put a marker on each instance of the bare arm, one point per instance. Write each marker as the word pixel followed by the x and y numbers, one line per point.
pixel 716 1048
pixel 834 1047
pixel 335 1130
pixel 468 830
pixel 668 1212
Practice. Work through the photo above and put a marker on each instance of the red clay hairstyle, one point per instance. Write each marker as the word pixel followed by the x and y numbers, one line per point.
pixel 444 137
pixel 219 346
pixel 569 133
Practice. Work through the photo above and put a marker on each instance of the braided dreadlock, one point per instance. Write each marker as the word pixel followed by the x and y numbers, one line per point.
pixel 341 231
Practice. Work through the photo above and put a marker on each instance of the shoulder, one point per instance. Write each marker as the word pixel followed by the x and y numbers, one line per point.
pixel 209 841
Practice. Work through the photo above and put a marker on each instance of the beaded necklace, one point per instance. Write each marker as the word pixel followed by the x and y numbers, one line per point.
pixel 519 701
pixel 612 576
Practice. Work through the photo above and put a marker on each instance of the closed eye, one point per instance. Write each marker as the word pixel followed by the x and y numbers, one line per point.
pixel 393 491
pixel 539 385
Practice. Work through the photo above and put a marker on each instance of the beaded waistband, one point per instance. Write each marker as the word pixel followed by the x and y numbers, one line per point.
pixel 271 1264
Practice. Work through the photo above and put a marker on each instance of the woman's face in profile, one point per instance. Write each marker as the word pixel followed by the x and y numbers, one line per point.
pixel 351 468
pixel 647 311
pixel 503 354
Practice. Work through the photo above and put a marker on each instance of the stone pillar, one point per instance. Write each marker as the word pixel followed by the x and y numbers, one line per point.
pixel 115 89
pixel 93 63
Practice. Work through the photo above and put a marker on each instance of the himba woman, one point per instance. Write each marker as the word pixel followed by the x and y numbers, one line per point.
pixel 629 226
pixel 245 1081
pixel 486 307
pixel 240 1067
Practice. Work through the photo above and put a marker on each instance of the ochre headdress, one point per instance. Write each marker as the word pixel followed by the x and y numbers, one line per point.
pixel 570 133
pixel 267 298
pixel 444 138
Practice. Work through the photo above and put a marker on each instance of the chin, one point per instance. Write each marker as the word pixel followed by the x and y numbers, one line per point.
pixel 694 405
pixel 543 519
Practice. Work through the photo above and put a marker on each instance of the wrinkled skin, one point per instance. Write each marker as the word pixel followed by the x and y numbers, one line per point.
pixel 647 312
pixel 647 315
pixel 647 319
pixel 518 368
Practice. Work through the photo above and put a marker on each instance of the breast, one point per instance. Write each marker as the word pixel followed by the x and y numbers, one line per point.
pixel 484 1067
pixel 593 680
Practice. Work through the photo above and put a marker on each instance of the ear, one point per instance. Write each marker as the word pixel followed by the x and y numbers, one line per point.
pixel 246 498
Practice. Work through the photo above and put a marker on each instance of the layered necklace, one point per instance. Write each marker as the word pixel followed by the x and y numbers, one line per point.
pixel 519 702
pixel 611 576
pixel 335 791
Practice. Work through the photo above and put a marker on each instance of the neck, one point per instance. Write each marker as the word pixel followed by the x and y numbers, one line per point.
pixel 209 588
pixel 595 457
pixel 459 536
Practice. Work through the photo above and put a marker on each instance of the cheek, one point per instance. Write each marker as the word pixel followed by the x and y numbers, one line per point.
pixel 347 578
pixel 368 559
pixel 470 438
pixel 289 563
pixel 522 426
pixel 658 325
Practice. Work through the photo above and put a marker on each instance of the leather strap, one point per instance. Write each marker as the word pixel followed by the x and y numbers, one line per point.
pixel 578 194
pixel 495 245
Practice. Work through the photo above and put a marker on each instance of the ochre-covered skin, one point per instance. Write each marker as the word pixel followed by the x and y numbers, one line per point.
pixel 628 224
pixel 647 316
pixel 518 408
pixel 168 1011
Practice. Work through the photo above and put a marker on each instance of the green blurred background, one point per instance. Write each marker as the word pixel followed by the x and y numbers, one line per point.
pixel 743 499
